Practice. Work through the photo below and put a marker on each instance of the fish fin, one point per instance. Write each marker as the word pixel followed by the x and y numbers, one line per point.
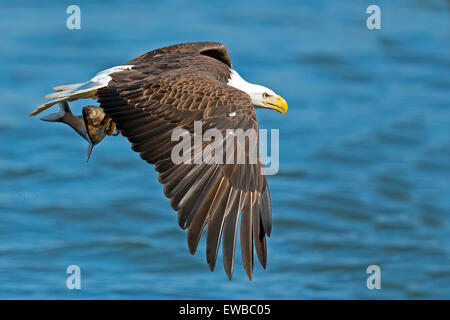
pixel 91 146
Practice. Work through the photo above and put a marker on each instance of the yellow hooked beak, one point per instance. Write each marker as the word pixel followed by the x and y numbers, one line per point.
pixel 278 104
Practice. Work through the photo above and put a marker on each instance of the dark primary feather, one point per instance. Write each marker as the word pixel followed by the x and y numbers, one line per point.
pixel 173 87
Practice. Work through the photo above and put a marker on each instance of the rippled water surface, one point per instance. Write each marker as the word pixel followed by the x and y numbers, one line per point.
pixel 365 152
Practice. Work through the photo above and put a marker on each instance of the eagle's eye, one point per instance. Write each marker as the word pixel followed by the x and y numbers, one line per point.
pixel 265 95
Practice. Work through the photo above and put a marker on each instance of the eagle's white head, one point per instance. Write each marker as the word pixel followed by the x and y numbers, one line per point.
pixel 261 96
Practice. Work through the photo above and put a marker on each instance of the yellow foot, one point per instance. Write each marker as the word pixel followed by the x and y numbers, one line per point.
pixel 110 129
pixel 106 123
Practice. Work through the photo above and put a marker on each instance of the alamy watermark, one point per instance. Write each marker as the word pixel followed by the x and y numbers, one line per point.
pixel 374 280
pixel 74 280
pixel 226 146
pixel 374 20
pixel 74 20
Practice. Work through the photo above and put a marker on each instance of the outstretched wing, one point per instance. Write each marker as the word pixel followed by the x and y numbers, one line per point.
pixel 147 108
pixel 171 88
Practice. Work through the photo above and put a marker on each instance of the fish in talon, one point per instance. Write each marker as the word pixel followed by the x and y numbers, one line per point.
pixel 98 125
pixel 94 120
pixel 92 125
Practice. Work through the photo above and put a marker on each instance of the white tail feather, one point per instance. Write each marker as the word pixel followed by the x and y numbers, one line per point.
pixel 77 91
pixel 58 116
pixel 66 87
pixel 59 94
pixel 71 97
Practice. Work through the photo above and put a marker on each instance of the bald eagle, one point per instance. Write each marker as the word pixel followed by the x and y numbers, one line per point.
pixel 168 88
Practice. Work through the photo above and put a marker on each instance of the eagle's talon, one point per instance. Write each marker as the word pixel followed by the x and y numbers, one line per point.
pixel 107 123
pixel 110 129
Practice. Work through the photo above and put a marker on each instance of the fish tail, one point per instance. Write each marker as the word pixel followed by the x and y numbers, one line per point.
pixel 58 116
pixel 66 116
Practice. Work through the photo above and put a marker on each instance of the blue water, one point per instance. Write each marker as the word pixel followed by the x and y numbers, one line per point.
pixel 365 152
